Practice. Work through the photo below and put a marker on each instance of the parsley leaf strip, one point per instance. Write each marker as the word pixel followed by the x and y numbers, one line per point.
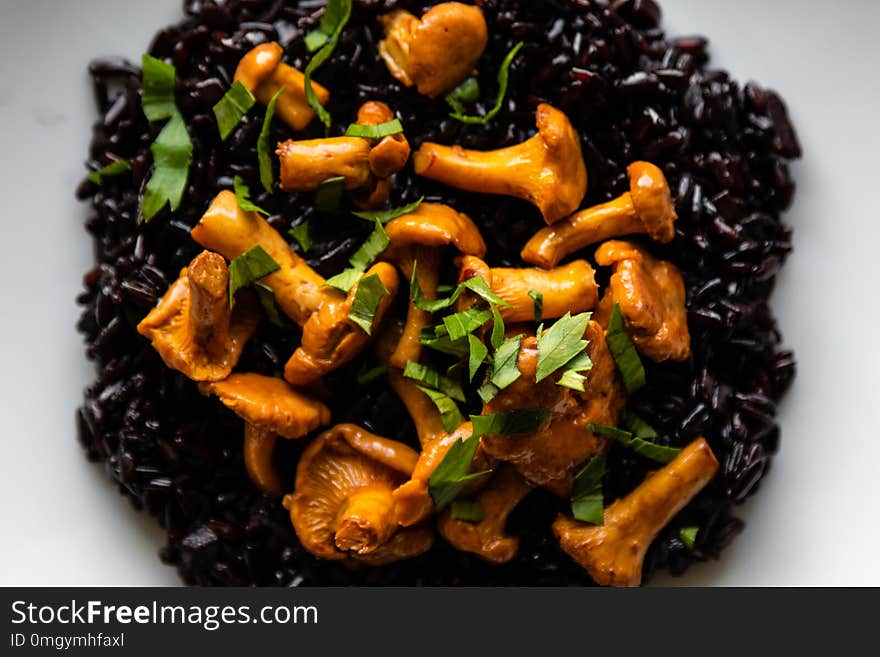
pixel 243 197
pixel 370 292
pixel 560 343
pixel 248 268
pixel 503 77
pixel 172 155
pixel 587 501
pixel 624 352
pixel 230 109
pixel 264 155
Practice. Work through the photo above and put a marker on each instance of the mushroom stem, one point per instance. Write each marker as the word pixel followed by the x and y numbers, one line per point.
pixel 570 288
pixel 209 311
pixel 426 261
pixel 486 538
pixel 646 208
pixel 421 409
pixel 613 553
pixel 366 520
pixel 547 170
pixel 259 443
pixel 262 71
pixel 229 230
pixel 306 164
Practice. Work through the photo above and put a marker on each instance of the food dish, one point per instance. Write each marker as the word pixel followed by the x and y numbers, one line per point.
pixel 766 373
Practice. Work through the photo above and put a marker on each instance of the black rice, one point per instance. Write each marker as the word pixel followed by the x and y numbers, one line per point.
pixel 631 92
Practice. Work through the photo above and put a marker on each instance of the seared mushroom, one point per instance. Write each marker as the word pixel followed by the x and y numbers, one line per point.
pixel 415 242
pixel 269 408
pixel 366 164
pixel 330 338
pixel 570 288
pixel 613 552
pixel 342 506
pixel 262 71
pixel 497 501
pixel 551 456
pixel 227 229
pixel 646 208
pixel 193 328
pixel 547 170
pixel 436 52
pixel 651 295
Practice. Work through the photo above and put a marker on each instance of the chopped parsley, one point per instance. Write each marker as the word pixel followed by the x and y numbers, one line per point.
pixel 248 268
pixel 370 292
pixel 538 301
pixel 640 445
pixel 340 12
pixel 328 196
pixel 587 502
pixel 300 233
pixel 561 344
pixel 243 197
pixel 115 168
pixel 157 90
pixel 624 352
pixel 503 76
pixel 466 511
pixel 172 155
pixel 688 536
pixel 378 131
pixel 230 109
pixel 384 216
pixel 264 152
pixel 453 473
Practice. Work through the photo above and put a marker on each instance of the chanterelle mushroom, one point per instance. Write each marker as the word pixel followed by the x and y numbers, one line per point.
pixel 497 501
pixel 547 170
pixel 366 164
pixel 269 408
pixel 613 552
pixel 330 338
pixel 651 295
pixel 193 328
pixel 551 456
pixel 646 208
pixel 227 229
pixel 262 71
pixel 436 52
pixel 569 288
pixel 415 241
pixel 342 506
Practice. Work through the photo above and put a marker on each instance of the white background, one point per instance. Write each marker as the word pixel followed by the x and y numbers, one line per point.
pixel 816 520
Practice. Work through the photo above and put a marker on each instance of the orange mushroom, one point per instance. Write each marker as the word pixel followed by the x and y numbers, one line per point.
pixel 193 328
pixel 547 170
pixel 646 208
pixel 270 408
pixel 227 229
pixel 651 295
pixel 415 242
pixel 342 506
pixel 330 338
pixel 436 52
pixel 497 501
pixel 613 553
pixel 570 288
pixel 262 71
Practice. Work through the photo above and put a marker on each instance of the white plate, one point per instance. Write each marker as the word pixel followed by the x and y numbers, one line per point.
pixel 815 521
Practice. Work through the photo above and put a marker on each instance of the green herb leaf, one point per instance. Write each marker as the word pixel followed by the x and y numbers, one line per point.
pixel 370 292
pixel 513 423
pixel 624 352
pixel 334 13
pixel 369 375
pixel 497 336
pixel 433 379
pixel 264 152
pixel 461 324
pixel 538 300
pixel 478 286
pixel 467 511
pixel 464 94
pixel 437 338
pixel 503 75
pixel 560 343
pixel 572 377
pixel 248 268
pixel 157 88
pixel 587 502
pixel 376 243
pixel 172 155
pixel 384 216
pixel 341 12
pixel 345 280
pixel 267 299
pixel 300 233
pixel 505 368
pixel 452 474
pixel 232 107
pixel 243 197
pixel 328 196
pixel 477 354
pixel 688 536
pixel 379 131
pixel 641 446
pixel 450 416
pixel 115 168
pixel 636 425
